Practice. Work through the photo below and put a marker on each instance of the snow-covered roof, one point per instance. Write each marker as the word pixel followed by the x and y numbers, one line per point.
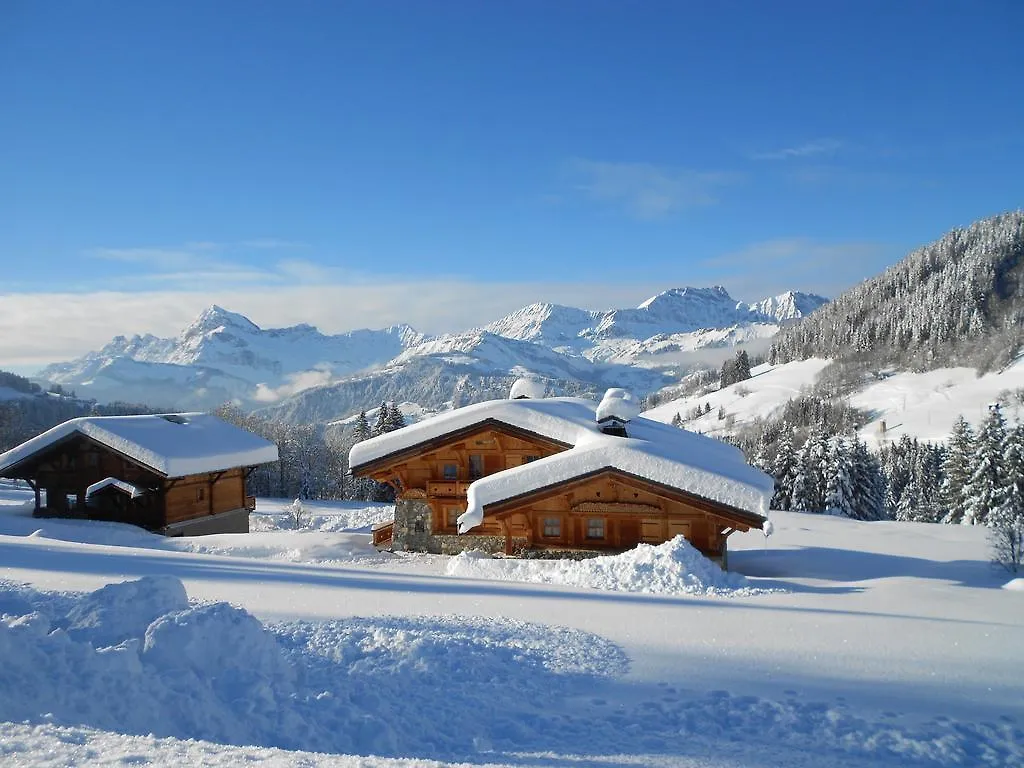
pixel 658 452
pixel 112 482
pixel 173 445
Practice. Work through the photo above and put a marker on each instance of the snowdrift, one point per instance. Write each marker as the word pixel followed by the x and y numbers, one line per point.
pixel 446 687
pixel 672 568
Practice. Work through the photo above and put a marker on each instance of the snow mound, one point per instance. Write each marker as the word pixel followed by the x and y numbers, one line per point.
pixel 117 612
pixel 618 403
pixel 526 387
pixel 1015 585
pixel 672 568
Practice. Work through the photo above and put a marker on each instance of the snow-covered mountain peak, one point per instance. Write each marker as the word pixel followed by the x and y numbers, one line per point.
pixel 791 305
pixel 552 324
pixel 215 318
pixel 688 294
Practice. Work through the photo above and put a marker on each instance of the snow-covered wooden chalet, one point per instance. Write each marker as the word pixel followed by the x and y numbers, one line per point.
pixel 559 475
pixel 178 474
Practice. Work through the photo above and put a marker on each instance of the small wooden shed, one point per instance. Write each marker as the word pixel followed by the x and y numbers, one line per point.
pixel 177 474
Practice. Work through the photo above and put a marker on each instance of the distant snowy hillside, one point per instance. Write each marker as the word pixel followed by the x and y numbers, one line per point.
pixel 299 373
pixel 921 405
pixel 958 301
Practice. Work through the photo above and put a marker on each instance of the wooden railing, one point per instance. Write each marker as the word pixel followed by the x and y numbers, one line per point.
pixel 382 534
pixel 450 488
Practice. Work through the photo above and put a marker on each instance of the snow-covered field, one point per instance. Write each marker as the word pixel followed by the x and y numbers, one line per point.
pixel 858 644
pixel 921 405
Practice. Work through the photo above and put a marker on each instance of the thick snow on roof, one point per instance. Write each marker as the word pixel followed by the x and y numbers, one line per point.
pixel 173 445
pixel 132 490
pixel 658 452
pixel 557 418
pixel 686 460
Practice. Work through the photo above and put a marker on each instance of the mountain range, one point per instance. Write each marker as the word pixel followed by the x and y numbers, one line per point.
pixel 301 374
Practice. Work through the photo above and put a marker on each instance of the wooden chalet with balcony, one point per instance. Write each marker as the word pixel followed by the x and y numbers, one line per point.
pixel 559 476
pixel 177 474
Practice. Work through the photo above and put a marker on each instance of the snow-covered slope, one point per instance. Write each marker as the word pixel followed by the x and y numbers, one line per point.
pixel 850 644
pixel 921 405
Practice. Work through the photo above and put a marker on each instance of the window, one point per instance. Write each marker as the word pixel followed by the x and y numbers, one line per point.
pixel 451 472
pixel 552 527
pixel 476 466
pixel 200 493
pixel 528 459
pixel 595 528
pixel 452 516
pixel 92 459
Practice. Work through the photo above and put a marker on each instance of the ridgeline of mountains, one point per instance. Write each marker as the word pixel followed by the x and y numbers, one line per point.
pixel 958 301
pixel 302 375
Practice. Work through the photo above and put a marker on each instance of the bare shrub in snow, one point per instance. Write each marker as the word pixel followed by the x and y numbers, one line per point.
pixel 296 515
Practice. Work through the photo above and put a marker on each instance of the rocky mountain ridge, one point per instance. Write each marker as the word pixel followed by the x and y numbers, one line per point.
pixel 223 356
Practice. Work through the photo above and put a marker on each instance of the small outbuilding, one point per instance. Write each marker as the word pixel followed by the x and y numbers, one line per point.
pixel 176 474
pixel 560 476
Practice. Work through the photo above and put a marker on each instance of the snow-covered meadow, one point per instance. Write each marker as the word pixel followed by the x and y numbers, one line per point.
pixel 841 643
pixel 921 405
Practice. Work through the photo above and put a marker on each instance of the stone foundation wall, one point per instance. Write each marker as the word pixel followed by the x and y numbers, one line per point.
pixel 412 533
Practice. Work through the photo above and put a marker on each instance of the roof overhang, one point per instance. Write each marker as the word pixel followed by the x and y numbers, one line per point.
pixel 16 470
pixel 740 518
pixel 455 436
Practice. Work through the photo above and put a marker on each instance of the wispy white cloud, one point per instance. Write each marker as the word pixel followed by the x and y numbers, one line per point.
pixel 771 267
pixel 647 191
pixel 815 148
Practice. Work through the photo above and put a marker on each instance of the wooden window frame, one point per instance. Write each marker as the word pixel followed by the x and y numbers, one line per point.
pixel 591 521
pixel 454 472
pixel 451 516
pixel 544 521
pixel 476 472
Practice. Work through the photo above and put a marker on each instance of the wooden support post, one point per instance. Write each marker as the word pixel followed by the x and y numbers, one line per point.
pixel 35 489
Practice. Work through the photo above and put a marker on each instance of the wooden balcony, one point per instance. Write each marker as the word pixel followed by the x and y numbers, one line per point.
pixel 451 489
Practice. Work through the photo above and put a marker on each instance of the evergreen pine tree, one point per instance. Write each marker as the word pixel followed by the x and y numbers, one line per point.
pixel 380 425
pixel 868 484
pixel 360 487
pixel 839 490
pixel 394 419
pixel 985 489
pixel 361 430
pixel 809 483
pixel 956 471
pixel 1006 522
pixel 677 420
pixel 784 471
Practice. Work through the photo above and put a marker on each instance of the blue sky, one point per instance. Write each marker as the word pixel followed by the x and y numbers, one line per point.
pixel 440 163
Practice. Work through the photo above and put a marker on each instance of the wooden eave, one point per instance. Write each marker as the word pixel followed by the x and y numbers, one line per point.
pixel 733 515
pixel 433 444
pixel 81 435
pixel 74 436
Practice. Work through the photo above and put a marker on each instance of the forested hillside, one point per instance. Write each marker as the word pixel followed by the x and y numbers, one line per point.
pixel 958 301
